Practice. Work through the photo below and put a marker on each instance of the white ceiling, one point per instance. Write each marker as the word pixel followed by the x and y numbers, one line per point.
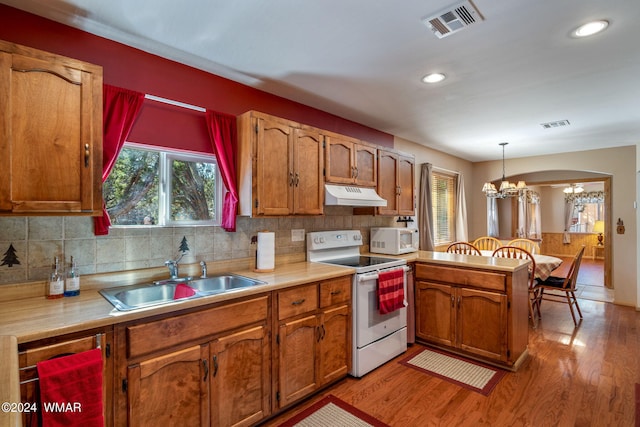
pixel 363 60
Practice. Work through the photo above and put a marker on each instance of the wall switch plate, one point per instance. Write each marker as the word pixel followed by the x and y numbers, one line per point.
pixel 297 235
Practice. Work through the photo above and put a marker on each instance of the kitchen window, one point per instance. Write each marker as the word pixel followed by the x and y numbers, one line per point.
pixel 443 197
pixel 148 186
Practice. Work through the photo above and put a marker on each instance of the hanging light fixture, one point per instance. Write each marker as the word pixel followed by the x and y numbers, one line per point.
pixel 507 189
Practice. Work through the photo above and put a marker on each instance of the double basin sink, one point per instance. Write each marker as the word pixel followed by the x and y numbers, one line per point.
pixel 132 297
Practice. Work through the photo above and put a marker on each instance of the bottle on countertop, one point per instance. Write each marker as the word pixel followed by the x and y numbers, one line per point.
pixel 55 286
pixel 72 281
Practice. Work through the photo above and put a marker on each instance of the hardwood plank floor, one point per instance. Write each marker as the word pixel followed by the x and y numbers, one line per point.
pixel 582 376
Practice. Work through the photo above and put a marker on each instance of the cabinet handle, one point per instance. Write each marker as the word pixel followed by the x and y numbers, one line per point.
pixel 215 365
pixel 453 301
pixel 318 337
pixel 458 303
pixel 298 302
pixel 356 169
pixel 290 179
pixel 297 180
pixel 87 155
pixel 323 332
pixel 206 369
pixel 338 292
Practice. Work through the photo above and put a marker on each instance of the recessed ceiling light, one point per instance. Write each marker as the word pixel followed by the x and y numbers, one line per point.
pixel 433 78
pixel 590 28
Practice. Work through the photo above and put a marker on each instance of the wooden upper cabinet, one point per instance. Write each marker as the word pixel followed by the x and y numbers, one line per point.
pixel 50 133
pixel 279 167
pixel 349 161
pixel 396 183
pixel 274 168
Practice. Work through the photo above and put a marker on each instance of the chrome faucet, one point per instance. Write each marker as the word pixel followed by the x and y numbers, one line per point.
pixel 173 267
pixel 203 268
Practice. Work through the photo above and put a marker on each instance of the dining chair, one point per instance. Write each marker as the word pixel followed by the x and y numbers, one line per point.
pixel 563 288
pixel 487 243
pixel 464 248
pixel 516 252
pixel 527 244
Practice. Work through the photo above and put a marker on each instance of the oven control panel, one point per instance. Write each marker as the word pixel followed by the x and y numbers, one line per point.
pixel 333 239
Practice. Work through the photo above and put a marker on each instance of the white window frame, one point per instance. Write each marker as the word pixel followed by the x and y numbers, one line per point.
pixel 165 186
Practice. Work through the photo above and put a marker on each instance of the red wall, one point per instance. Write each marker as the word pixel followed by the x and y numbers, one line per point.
pixel 137 70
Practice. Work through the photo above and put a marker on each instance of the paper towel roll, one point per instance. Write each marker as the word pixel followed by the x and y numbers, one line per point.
pixel 266 252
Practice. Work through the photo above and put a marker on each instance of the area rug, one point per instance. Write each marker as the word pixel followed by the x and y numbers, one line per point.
pixel 464 372
pixel 331 411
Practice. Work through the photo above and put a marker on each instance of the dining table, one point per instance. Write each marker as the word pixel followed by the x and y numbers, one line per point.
pixel 545 264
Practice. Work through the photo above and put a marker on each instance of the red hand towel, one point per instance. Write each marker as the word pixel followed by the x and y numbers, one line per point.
pixel 391 290
pixel 183 291
pixel 71 390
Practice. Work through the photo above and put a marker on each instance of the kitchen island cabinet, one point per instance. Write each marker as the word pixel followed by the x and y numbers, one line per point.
pixel 476 310
pixel 51 133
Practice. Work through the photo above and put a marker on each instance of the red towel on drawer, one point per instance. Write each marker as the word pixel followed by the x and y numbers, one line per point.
pixel 71 390
pixel 391 290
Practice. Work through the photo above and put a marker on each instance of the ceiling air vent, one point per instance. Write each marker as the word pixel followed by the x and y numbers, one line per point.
pixel 453 19
pixel 556 124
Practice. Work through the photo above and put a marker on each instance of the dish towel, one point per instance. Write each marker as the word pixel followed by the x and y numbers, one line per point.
pixel 390 290
pixel 71 390
pixel 183 291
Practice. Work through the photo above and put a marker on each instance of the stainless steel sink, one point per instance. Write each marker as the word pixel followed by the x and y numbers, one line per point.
pixel 223 283
pixel 126 298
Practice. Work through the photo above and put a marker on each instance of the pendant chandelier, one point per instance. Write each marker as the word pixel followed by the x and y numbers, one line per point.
pixel 507 189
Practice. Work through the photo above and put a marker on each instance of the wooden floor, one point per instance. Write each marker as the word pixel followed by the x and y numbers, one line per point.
pixel 581 376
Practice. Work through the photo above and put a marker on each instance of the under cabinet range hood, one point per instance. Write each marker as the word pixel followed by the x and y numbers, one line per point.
pixel 345 195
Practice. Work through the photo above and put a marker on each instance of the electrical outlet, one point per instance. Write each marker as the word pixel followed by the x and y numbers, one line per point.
pixel 297 235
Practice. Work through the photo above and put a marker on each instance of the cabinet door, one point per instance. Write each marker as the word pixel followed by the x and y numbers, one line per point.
pixel 387 182
pixel 340 167
pixel 308 180
pixel 406 186
pixel 51 133
pixel 366 165
pixel 435 313
pixel 240 378
pixel 482 323
pixel 335 350
pixel 170 390
pixel 298 340
pixel 274 195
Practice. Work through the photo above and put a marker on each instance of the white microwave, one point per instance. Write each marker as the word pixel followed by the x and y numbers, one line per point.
pixel 393 241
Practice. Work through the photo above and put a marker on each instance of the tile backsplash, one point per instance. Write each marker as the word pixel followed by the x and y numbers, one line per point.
pixel 29 244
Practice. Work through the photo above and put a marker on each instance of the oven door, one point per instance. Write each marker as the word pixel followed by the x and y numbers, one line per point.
pixel 370 325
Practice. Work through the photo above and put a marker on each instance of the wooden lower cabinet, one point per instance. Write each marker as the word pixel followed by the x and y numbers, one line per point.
pixel 313 343
pixel 32 353
pixel 170 389
pixel 240 377
pixel 476 312
pixel 209 367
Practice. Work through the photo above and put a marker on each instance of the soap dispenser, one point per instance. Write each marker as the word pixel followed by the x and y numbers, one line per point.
pixel 55 286
pixel 72 282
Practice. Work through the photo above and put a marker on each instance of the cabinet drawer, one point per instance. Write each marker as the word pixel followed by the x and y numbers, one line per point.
pixel 463 277
pixel 165 333
pixel 335 291
pixel 297 301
